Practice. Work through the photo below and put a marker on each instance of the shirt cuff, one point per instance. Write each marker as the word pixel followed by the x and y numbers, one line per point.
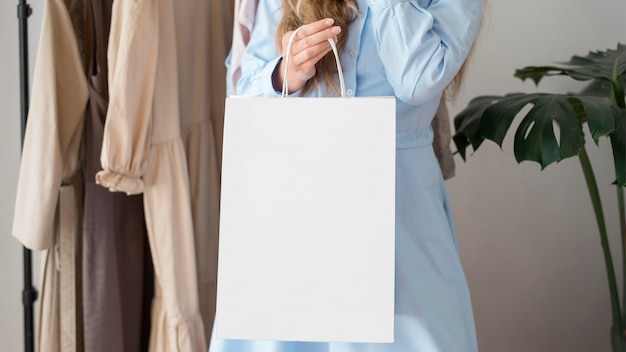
pixel 268 72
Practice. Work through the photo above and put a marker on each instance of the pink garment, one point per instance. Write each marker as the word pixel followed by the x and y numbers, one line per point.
pixel 245 12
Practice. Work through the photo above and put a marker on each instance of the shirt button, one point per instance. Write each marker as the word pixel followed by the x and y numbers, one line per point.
pixel 354 52
pixel 349 92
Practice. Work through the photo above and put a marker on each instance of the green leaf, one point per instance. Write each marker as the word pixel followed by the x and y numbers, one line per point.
pixel 618 142
pixel 609 65
pixel 490 117
pixel 535 139
pixel 600 114
pixel 601 106
pixel 599 88
pixel 467 123
pixel 461 142
pixel 498 117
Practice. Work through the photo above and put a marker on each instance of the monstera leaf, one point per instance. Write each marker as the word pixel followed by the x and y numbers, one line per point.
pixel 536 139
pixel 552 129
pixel 609 65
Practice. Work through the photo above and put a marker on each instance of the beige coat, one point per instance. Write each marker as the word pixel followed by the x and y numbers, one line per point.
pixel 49 191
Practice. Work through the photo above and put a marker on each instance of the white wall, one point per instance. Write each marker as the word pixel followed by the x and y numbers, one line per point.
pixel 528 238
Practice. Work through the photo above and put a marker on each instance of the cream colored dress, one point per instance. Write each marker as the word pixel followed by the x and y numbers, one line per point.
pixel 162 138
pixel 202 32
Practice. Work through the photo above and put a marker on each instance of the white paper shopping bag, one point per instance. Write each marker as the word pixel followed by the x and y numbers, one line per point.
pixel 306 249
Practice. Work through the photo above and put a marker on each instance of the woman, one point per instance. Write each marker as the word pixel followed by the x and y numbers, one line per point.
pixel 411 49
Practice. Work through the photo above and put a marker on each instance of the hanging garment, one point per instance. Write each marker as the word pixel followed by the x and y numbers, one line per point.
pixel 441 140
pixel 49 192
pixel 243 23
pixel 201 42
pixel 116 278
pixel 143 151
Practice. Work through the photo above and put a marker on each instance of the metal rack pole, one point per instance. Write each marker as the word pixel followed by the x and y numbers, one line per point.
pixel 29 294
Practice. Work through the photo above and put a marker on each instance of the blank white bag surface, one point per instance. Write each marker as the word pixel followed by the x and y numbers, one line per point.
pixel 307 222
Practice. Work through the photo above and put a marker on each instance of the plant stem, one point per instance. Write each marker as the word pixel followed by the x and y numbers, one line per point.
pixel 617 96
pixel 622 224
pixel 592 186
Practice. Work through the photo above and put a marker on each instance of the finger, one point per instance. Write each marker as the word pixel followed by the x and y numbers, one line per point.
pixel 313 60
pixel 315 27
pixel 306 70
pixel 303 64
pixel 310 53
pixel 315 39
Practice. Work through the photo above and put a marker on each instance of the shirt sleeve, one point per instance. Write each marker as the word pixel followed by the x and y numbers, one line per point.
pixel 422 43
pixel 262 55
pixel 132 56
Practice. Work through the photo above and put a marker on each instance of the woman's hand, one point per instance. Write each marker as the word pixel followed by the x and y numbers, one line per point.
pixel 309 46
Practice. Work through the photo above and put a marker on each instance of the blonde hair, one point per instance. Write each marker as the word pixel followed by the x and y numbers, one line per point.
pixel 297 13
pixel 451 91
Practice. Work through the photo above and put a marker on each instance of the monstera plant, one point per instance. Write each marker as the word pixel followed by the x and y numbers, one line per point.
pixel 552 130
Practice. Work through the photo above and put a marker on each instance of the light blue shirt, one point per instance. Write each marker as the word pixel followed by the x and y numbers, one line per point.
pixel 410 49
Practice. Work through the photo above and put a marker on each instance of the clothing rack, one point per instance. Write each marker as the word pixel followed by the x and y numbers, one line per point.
pixel 29 294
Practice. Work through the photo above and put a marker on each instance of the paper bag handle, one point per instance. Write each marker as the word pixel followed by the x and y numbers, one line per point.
pixel 342 85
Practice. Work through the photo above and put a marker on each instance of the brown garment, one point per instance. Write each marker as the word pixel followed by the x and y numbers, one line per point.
pixel 116 278
pixel 49 194
pixel 441 140
pixel 77 10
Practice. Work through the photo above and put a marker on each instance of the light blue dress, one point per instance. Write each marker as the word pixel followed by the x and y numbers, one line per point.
pixel 410 49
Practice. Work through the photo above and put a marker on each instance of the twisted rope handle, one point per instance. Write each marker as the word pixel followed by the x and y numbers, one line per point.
pixel 342 85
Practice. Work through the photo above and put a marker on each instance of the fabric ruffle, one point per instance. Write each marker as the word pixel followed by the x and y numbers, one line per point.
pixel 117 182
pixel 178 326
